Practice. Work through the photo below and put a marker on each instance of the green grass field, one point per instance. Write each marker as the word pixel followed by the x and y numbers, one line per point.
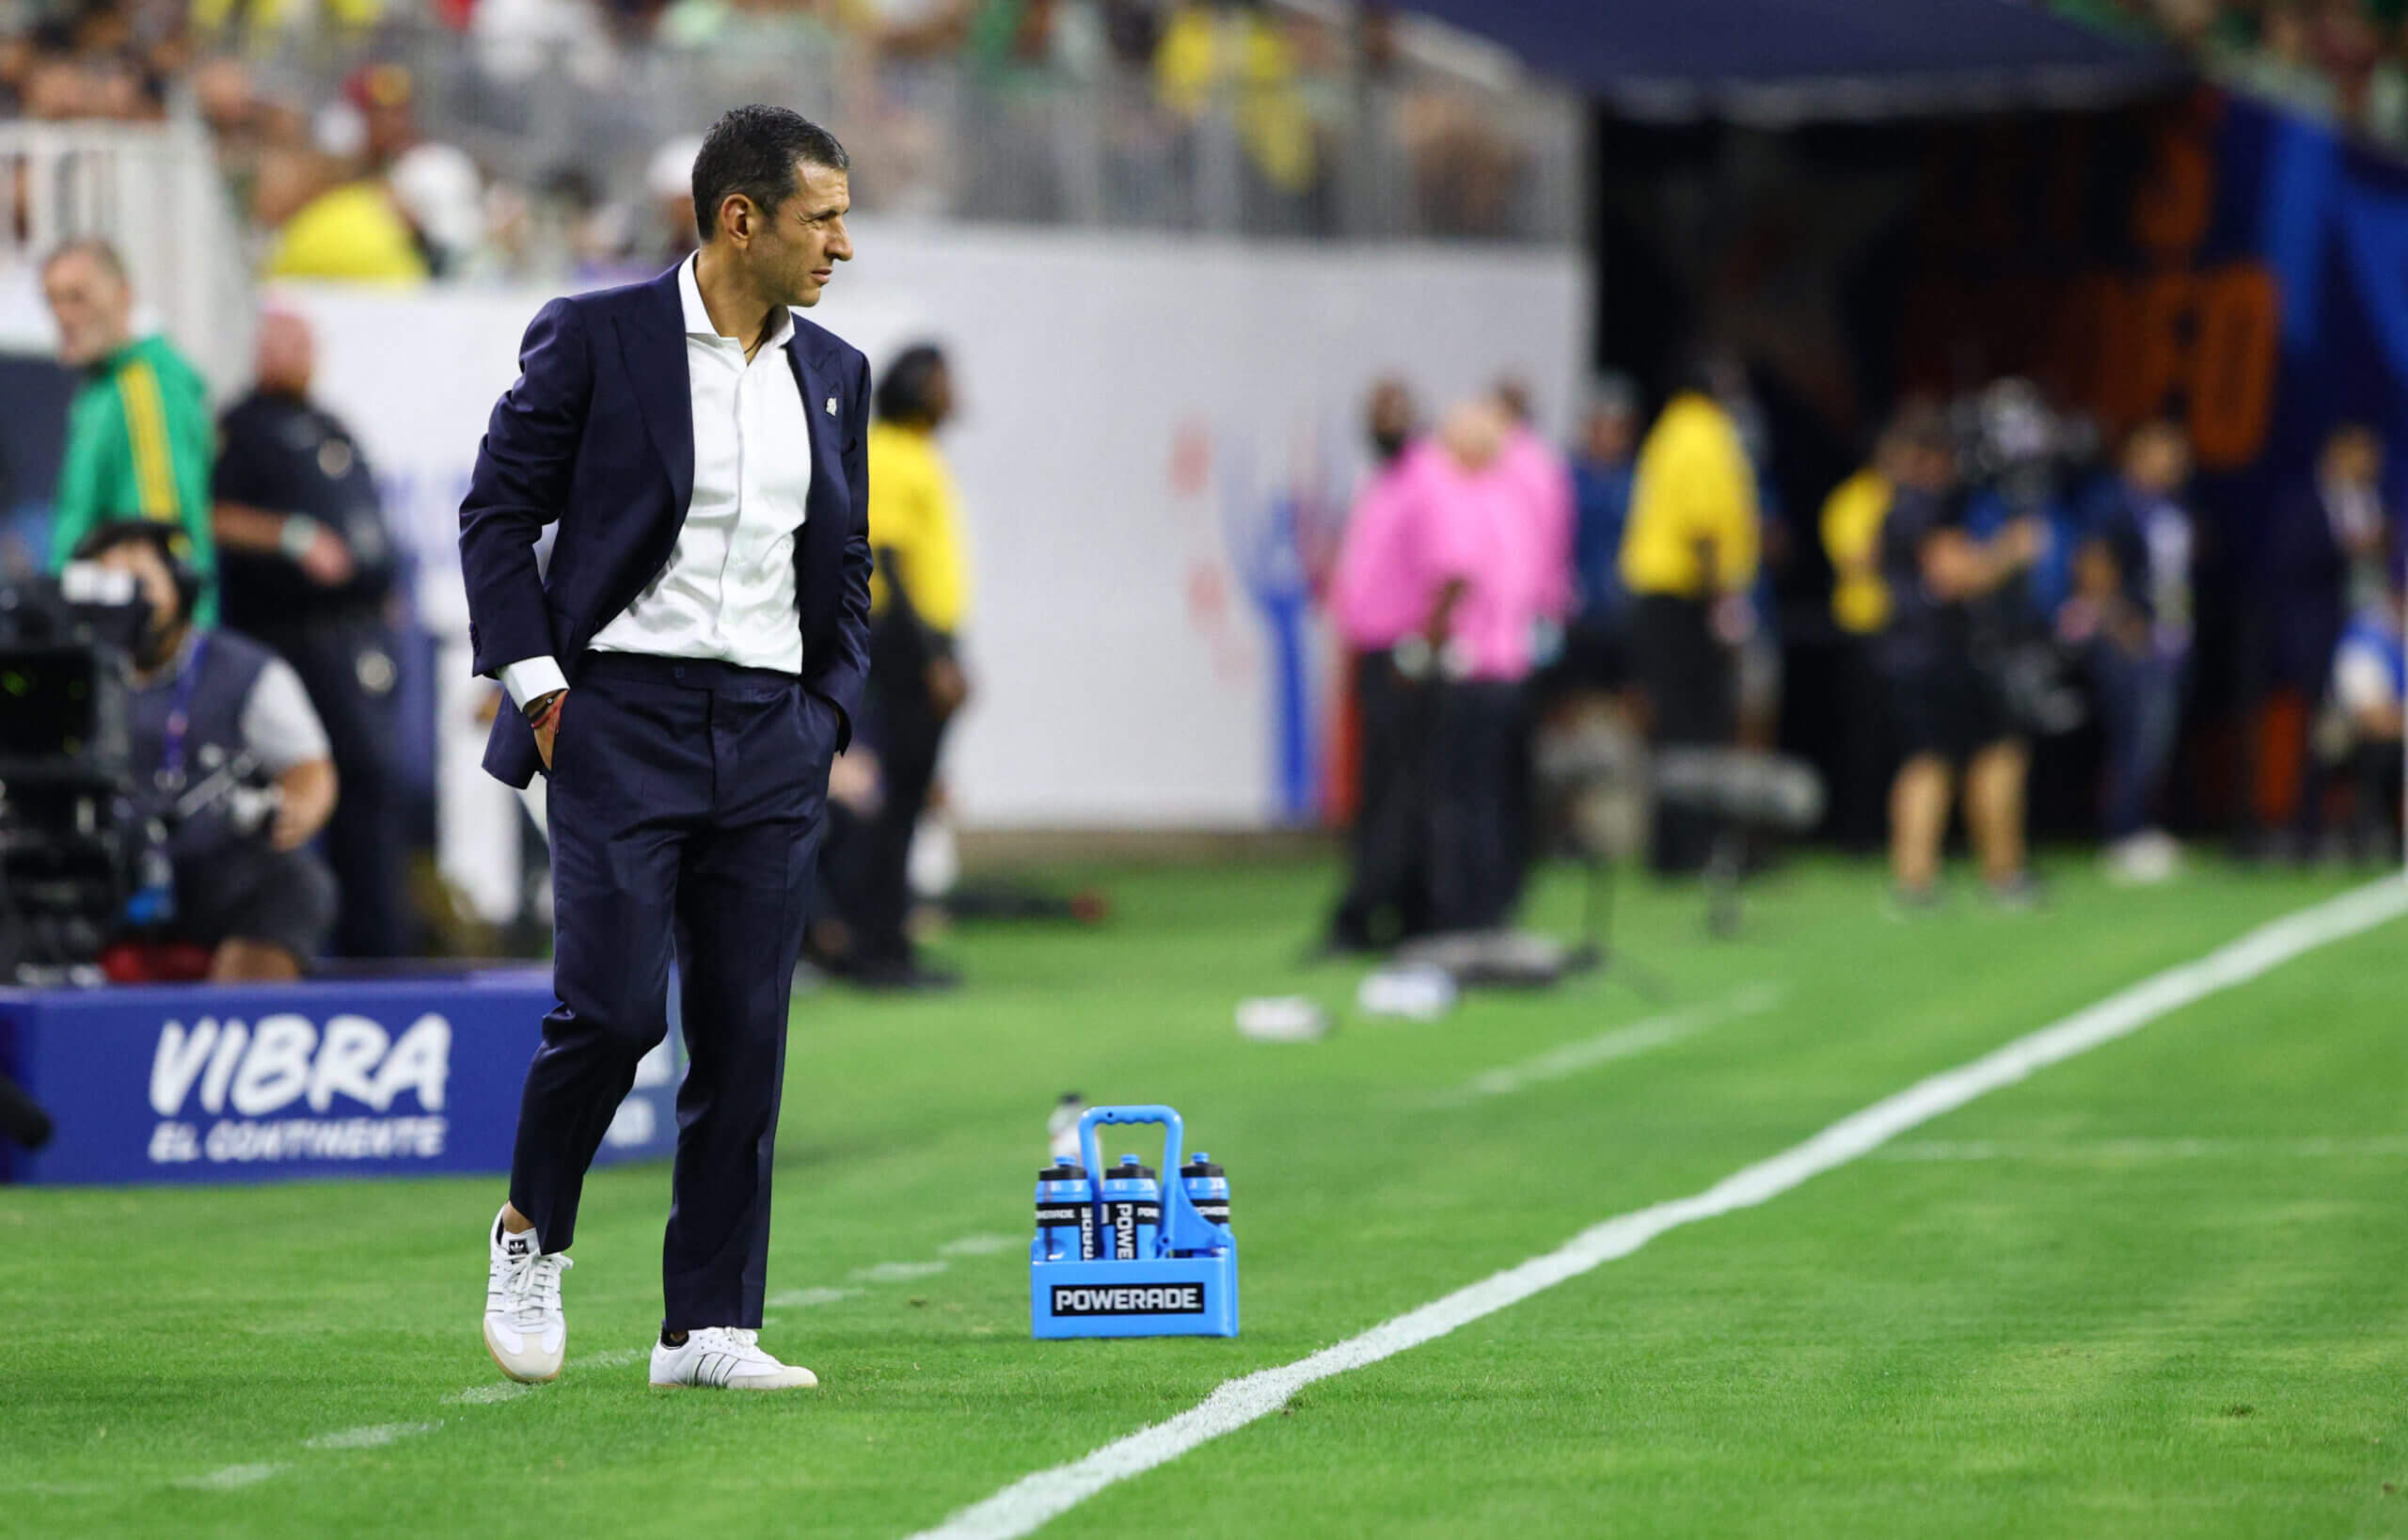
pixel 2158 1290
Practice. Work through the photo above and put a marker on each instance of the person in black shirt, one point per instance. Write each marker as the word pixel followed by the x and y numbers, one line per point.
pixel 305 567
pixel 1949 709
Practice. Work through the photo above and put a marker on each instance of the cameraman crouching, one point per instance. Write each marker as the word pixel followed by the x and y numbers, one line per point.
pixel 210 714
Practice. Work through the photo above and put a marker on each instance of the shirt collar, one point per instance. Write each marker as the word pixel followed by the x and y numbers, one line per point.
pixel 698 315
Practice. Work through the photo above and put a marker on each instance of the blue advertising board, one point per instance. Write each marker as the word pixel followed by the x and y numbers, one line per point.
pixel 200 1083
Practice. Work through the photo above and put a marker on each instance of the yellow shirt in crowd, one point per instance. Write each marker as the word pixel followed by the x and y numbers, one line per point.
pixel 1852 516
pixel 1692 489
pixel 352 232
pixel 915 527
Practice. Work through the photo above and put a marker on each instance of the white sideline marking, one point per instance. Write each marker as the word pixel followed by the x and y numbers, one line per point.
pixel 375 1435
pixel 981 1245
pixel 231 1477
pixel 1035 1499
pixel 798 1298
pixel 899 1272
pixel 610 1358
pixel 2123 1149
pixel 488 1395
pixel 1622 1042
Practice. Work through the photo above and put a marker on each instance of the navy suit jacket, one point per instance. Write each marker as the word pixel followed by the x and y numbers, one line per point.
pixel 598 435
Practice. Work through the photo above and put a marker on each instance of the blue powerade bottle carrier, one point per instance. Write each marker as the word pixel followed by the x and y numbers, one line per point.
pixel 1184 1282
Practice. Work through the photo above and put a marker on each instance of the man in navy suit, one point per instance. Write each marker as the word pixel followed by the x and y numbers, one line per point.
pixel 684 671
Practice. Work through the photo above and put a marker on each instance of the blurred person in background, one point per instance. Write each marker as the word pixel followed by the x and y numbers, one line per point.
pixel 1545 525
pixel 1233 55
pixel 1378 596
pixel 2369 692
pixel 2322 564
pixel 1851 523
pixel 203 704
pixel 2131 611
pixel 1437 565
pixel 1688 557
pixel 1489 574
pixel 919 598
pixel 331 225
pixel 1544 478
pixel 307 566
pixel 139 434
pixel 668 179
pixel 1597 642
pixel 2017 447
pixel 1949 711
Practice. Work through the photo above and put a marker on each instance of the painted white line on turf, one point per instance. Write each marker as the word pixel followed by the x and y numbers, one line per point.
pixel 1622 1042
pixel 229 1478
pixel 488 1395
pixel 375 1435
pixel 982 1246
pixel 802 1298
pixel 2112 1150
pixel 899 1272
pixel 1034 1500
pixel 610 1358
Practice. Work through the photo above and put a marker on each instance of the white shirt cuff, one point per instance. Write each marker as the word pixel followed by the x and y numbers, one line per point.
pixel 530 678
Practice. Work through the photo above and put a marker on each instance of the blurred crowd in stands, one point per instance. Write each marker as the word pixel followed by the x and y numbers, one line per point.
pixel 546 138
pixel 2342 61
pixel 2003 577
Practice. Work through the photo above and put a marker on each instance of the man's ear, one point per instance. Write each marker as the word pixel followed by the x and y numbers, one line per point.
pixel 738 218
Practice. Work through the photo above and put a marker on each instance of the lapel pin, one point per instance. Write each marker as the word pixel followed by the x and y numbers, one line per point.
pixel 832 405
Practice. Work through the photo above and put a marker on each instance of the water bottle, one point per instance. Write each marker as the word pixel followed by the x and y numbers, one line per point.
pixel 1065 1213
pixel 1132 1209
pixel 1208 1191
pixel 1062 1129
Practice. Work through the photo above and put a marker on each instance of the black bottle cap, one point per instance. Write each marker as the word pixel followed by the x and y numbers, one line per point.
pixel 1129 1168
pixel 1068 1170
pixel 1200 1166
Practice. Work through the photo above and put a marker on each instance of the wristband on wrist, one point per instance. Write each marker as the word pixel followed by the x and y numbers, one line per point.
pixel 298 535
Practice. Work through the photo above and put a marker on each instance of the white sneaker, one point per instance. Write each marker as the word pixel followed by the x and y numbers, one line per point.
pixel 725 1358
pixel 524 1330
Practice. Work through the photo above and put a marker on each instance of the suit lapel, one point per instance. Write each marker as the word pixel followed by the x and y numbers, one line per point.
pixel 827 436
pixel 652 341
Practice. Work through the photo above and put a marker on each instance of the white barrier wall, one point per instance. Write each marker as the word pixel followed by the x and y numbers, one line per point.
pixel 1154 431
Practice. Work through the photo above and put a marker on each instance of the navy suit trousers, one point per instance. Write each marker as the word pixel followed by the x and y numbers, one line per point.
pixel 686 803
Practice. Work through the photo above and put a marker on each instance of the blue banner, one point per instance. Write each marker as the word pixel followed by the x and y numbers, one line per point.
pixel 209 1083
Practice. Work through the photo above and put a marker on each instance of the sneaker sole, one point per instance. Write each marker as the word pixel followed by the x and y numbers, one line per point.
pixel 681 1385
pixel 494 1353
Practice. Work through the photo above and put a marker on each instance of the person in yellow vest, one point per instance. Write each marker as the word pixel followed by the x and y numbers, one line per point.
pixel 919 598
pixel 1688 556
pixel 1851 527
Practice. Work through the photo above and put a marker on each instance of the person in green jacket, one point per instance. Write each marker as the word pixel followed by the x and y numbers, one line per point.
pixel 139 437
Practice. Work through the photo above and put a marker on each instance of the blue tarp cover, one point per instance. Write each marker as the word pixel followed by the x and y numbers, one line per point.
pixel 1813 57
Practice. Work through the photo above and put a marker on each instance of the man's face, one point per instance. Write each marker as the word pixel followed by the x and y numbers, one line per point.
pixel 287 354
pixel 2159 461
pixel 92 305
pixel 793 251
pixel 2354 459
pixel 1607 436
pixel 141 561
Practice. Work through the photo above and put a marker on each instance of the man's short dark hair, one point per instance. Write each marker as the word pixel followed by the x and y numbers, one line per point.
pixel 753 151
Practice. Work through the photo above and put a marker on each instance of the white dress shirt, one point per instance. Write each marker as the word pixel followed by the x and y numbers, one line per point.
pixel 728 590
